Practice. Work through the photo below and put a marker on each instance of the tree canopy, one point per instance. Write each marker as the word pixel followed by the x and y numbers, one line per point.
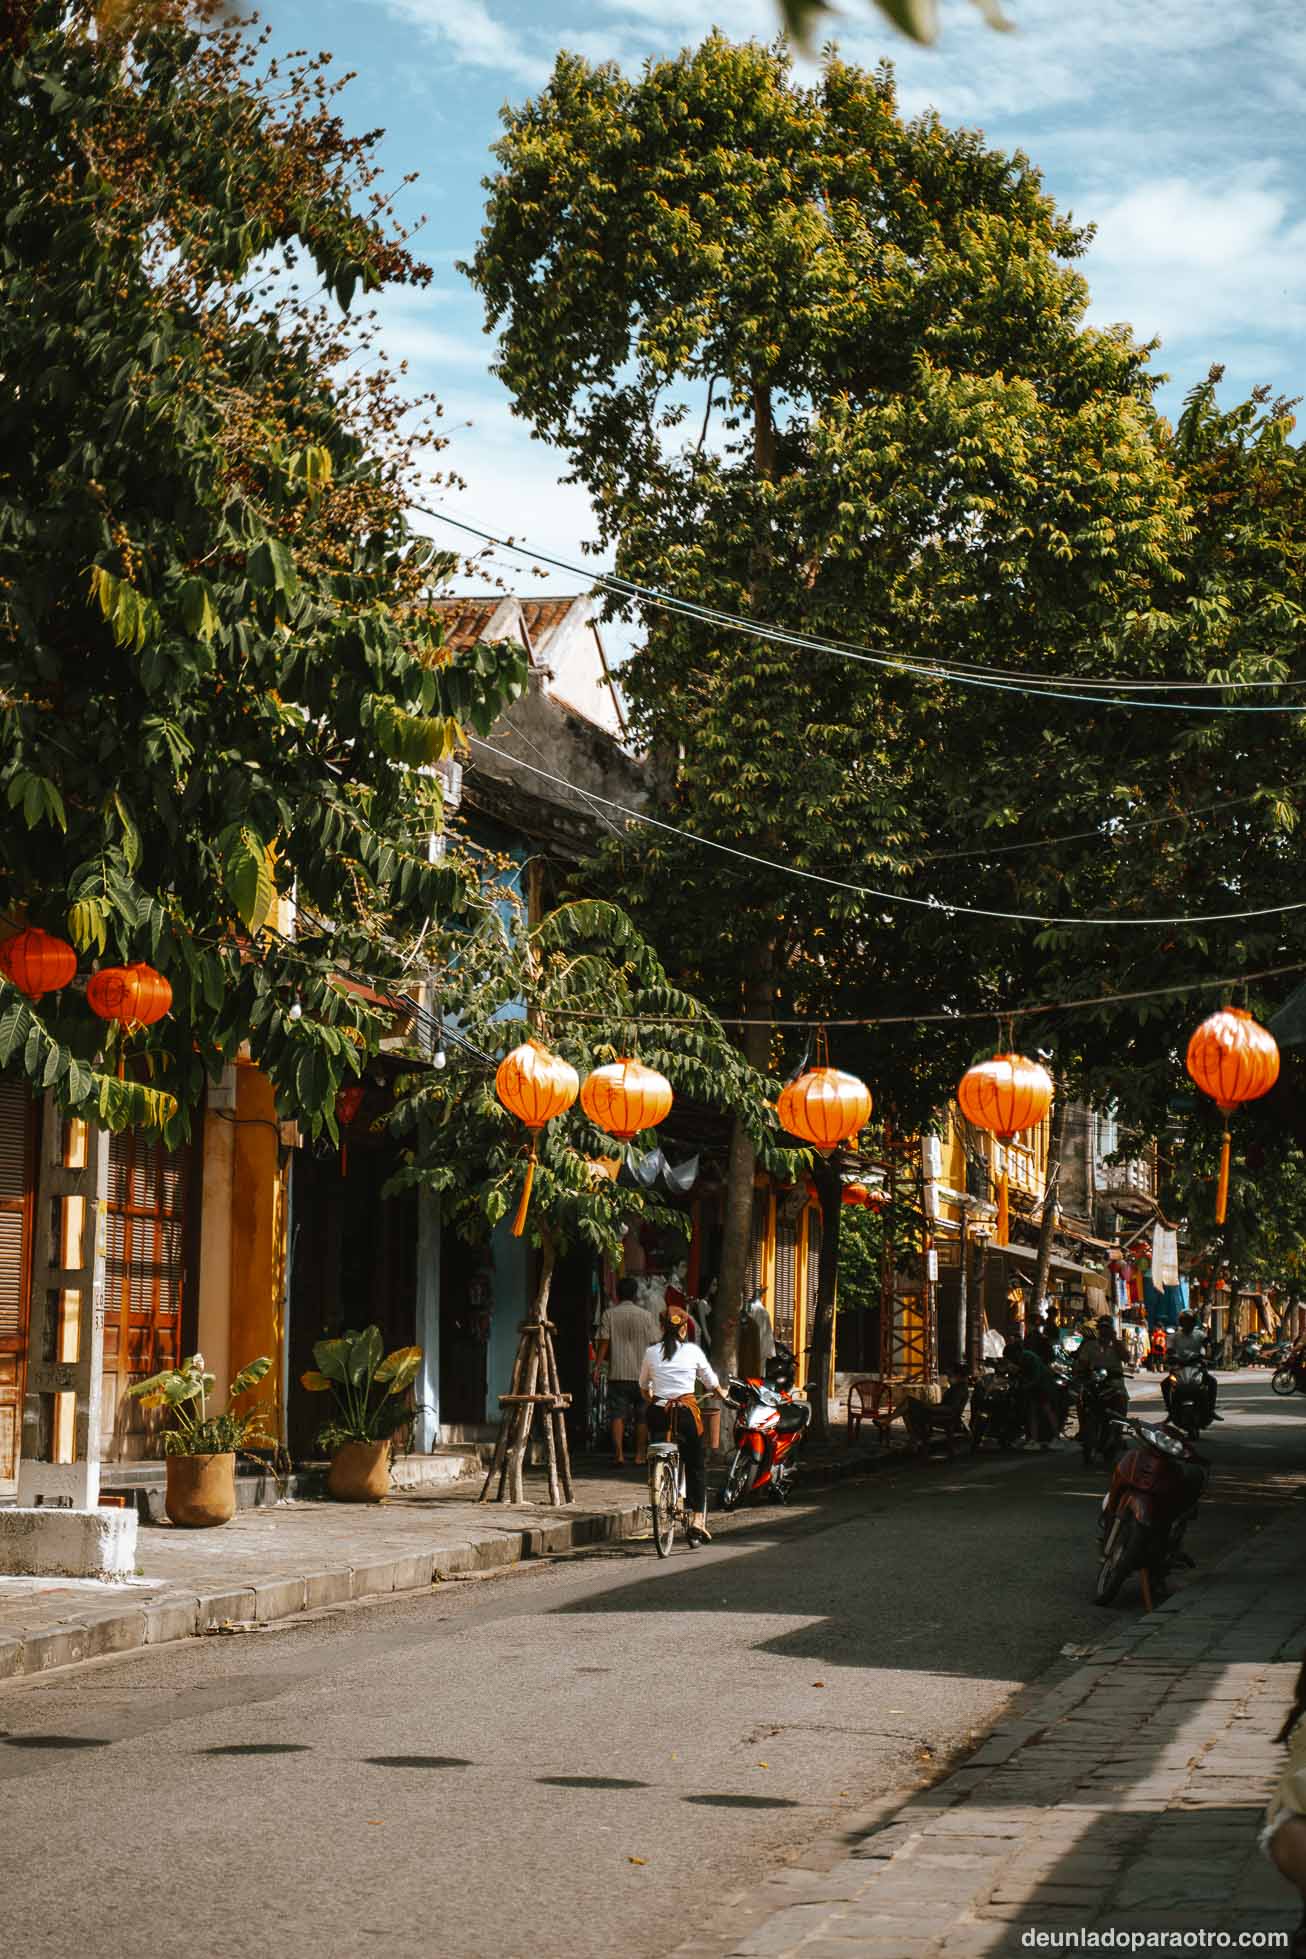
pixel 219 679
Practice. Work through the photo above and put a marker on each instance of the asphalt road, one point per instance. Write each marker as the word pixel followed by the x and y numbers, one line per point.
pixel 585 1757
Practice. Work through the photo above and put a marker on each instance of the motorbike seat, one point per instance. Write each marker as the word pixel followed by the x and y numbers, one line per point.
pixel 793 1415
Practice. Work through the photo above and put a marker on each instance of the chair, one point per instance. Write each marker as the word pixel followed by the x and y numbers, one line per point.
pixel 870 1401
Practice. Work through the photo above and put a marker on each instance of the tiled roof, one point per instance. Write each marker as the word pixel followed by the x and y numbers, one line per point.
pixel 466 620
pixel 544 616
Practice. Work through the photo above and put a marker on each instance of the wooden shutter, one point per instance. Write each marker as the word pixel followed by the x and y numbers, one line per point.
pixel 144 1276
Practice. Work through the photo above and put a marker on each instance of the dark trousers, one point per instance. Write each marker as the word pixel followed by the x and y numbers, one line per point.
pixel 685 1432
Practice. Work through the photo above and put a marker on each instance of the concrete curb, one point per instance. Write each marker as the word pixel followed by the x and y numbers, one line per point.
pixel 172 1616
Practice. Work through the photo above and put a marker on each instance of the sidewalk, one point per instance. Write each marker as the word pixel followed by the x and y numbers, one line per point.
pixel 1125 1794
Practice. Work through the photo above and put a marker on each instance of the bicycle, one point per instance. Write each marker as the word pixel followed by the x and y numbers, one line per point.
pixel 666 1493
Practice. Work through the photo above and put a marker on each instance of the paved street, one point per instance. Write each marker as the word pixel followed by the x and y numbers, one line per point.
pixel 592 1755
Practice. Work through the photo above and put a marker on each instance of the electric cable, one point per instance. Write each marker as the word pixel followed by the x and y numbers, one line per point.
pixel 943 906
pixel 999 680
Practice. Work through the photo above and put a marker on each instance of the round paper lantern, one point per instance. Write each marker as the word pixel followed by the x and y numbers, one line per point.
pixel 534 1086
pixel 1005 1095
pixel 824 1107
pixel 1233 1059
pixel 625 1097
pixel 857 1195
pixel 134 995
pixel 37 962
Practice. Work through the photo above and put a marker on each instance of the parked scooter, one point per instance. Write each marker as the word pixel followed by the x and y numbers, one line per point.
pixel 1103 1404
pixel 1250 1353
pixel 997 1413
pixel 770 1422
pixel 1065 1403
pixel 1156 1487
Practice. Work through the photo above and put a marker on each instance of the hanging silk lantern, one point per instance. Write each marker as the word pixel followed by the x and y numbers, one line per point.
pixel 1005 1095
pixel 1233 1059
pixel 625 1097
pixel 36 962
pixel 856 1195
pixel 824 1107
pixel 135 995
pixel 534 1086
pixel 348 1102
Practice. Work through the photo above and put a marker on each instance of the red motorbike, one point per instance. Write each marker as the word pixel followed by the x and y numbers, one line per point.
pixel 1156 1487
pixel 770 1422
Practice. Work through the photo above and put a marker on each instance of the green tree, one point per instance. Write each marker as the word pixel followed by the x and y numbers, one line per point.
pixel 219 678
pixel 828 368
pixel 592 990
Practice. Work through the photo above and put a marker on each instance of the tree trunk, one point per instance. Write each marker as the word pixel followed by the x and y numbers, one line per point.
pixel 737 1223
pixel 829 1188
pixel 1043 1260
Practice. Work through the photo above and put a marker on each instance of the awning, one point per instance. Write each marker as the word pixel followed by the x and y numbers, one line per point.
pixel 1058 1261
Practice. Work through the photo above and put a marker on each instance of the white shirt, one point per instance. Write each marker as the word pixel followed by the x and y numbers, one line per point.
pixel 671 1378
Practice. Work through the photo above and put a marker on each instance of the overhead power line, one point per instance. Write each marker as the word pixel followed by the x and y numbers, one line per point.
pixel 997 680
pixel 944 907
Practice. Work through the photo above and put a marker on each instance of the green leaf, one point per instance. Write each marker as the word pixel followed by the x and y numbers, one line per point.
pixel 246 875
pixel 197 611
pixel 250 1375
pixel 331 1357
pixel 271 566
pixel 364 1355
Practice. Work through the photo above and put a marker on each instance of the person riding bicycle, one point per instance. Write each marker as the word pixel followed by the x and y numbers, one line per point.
pixel 668 1375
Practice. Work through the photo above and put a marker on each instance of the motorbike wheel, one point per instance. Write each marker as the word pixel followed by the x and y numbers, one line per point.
pixel 739 1480
pixel 1124 1553
pixel 1283 1381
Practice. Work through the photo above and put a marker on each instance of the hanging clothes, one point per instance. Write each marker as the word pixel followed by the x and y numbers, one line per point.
pixel 1165 1257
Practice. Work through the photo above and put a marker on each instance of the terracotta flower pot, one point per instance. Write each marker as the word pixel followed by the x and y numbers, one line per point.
pixel 200 1490
pixel 360 1472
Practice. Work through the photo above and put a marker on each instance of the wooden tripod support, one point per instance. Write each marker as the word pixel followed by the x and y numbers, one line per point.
pixel 534 1385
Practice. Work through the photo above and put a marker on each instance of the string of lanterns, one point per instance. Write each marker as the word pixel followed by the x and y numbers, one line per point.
pixel 1231 1058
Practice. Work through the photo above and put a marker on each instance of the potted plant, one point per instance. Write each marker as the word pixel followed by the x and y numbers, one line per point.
pixel 364 1383
pixel 200 1449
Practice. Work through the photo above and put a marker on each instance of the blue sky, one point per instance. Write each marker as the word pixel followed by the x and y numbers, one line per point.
pixel 1174 125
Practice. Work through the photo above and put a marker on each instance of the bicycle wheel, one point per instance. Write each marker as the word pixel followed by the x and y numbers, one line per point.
pixel 662 1494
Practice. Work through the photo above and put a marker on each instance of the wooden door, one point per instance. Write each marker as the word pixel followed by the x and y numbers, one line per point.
pixel 17 1172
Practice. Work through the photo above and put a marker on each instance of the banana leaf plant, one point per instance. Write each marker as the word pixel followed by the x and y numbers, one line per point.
pixel 365 1383
pixel 185 1391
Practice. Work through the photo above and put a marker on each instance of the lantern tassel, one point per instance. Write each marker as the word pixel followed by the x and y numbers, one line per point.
pixel 1003 1232
pixel 519 1222
pixel 1222 1188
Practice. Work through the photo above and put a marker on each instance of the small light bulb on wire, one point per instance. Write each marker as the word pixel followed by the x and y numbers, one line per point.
pixel 296 1011
pixel 439 1059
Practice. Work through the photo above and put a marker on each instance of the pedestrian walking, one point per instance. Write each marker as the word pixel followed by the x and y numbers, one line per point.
pixel 1283 1834
pixel 1037 1386
pixel 625 1333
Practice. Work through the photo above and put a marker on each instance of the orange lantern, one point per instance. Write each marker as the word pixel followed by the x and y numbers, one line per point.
pixel 857 1195
pixel 534 1086
pixel 348 1102
pixel 625 1097
pixel 1233 1059
pixel 36 962
pixel 134 995
pixel 824 1107
pixel 1005 1095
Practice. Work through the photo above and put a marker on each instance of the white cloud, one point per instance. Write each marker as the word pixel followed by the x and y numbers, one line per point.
pixel 1203 264
pixel 473 36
